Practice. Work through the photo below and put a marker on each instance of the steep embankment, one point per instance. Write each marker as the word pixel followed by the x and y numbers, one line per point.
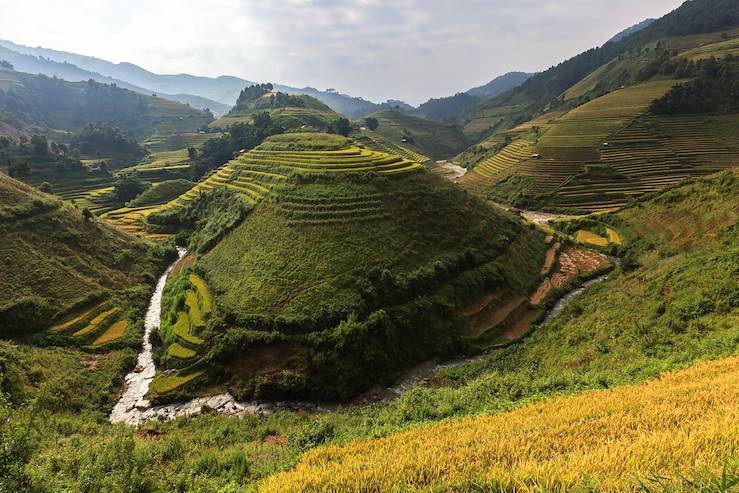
pixel 348 269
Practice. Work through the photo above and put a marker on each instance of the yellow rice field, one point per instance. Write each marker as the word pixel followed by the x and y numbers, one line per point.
pixel 95 322
pixel 586 237
pixel 113 333
pixel 77 318
pixel 613 236
pixel 678 427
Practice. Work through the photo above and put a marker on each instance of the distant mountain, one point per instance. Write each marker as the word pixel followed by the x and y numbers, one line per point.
pixel 633 29
pixel 220 93
pixel 36 102
pixel 39 64
pixel 451 107
pixel 499 85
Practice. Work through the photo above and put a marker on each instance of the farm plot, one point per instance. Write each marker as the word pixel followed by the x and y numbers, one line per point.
pixel 97 324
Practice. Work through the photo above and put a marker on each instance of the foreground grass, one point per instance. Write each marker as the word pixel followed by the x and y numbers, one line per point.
pixel 685 423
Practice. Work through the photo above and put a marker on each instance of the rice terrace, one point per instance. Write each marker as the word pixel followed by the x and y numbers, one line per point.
pixel 502 268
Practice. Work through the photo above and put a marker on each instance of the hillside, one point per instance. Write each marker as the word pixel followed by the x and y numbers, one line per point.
pixel 341 242
pixel 672 304
pixel 686 27
pixel 449 109
pixel 57 265
pixel 426 137
pixel 655 114
pixel 37 101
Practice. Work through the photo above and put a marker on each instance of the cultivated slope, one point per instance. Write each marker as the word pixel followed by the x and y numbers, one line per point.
pixel 350 270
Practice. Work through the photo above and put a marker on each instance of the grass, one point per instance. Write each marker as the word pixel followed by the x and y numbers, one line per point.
pixel 683 425
pixel 162 192
pixel 113 333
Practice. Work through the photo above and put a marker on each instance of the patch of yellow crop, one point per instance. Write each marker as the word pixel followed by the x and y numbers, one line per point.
pixel 613 236
pixel 113 333
pixel 588 238
pixel 95 322
pixel 165 383
pixel 677 427
pixel 77 318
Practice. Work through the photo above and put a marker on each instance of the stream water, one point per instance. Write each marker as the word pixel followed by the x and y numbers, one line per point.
pixel 133 408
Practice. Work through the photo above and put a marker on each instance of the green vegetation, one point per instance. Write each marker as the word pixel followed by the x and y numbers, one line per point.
pixel 53 261
pixel 162 192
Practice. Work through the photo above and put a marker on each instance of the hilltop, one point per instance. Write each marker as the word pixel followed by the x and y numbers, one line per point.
pixel 291 111
pixel 349 269
pixel 58 264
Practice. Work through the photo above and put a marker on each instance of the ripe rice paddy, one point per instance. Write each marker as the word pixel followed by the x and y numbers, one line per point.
pixel 682 425
pixel 113 333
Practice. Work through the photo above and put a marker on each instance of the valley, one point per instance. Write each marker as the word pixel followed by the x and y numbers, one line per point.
pixel 531 285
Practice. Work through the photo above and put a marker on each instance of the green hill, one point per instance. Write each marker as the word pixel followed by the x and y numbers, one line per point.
pixel 40 102
pixel 59 267
pixel 291 111
pixel 349 269
pixel 426 137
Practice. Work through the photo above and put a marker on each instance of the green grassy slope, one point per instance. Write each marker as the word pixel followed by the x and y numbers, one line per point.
pixel 351 260
pixel 39 101
pixel 436 140
pixel 54 262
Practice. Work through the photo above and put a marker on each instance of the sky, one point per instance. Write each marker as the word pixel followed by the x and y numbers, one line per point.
pixel 377 49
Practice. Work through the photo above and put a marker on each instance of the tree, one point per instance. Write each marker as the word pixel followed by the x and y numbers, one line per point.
pixel 371 123
pixel 6 64
pixel 127 187
pixel 342 126
pixel 46 187
pixel 192 153
pixel 87 215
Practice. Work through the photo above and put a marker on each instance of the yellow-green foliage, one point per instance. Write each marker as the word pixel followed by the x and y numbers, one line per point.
pixel 204 296
pixel 113 333
pixel 167 382
pixel 589 238
pixel 193 307
pixel 613 236
pixel 183 329
pixel 77 318
pixel 178 351
pixel 682 425
pixel 95 322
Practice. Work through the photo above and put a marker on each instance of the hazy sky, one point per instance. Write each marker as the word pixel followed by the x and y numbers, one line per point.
pixel 378 49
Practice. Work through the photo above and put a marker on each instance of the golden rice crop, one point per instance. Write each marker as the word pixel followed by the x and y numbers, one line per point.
pixel 95 322
pixel 613 236
pixel 165 383
pixel 203 293
pixel 113 333
pixel 77 318
pixel 590 238
pixel 682 425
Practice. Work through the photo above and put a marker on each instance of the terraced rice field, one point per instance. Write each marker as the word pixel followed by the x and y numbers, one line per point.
pixel 113 333
pixel 191 321
pixel 169 382
pixel 333 209
pixel 78 317
pixel 255 174
pixel 644 153
pixel 377 142
pixel 132 220
pixel 96 322
pixel 676 428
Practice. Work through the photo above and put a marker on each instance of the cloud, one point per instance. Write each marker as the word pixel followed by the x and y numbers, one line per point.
pixel 379 49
